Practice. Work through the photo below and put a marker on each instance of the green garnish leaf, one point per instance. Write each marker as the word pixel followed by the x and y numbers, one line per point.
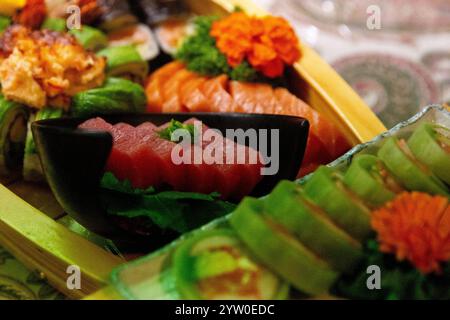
pixel 173 210
pixel 175 125
pixel 399 280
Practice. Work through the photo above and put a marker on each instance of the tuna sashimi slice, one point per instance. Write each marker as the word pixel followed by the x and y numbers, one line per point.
pixel 198 172
pixel 96 124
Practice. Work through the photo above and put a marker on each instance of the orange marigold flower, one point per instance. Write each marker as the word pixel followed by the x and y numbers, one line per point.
pixel 415 227
pixel 267 43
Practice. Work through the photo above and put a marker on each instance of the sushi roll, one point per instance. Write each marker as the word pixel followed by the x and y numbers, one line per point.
pixel 430 144
pixel 32 169
pixel 90 38
pixel 171 33
pixel 279 250
pixel 116 96
pixel 214 265
pixel 115 14
pixel 140 36
pixel 13 131
pixel 54 24
pixel 156 11
pixel 125 62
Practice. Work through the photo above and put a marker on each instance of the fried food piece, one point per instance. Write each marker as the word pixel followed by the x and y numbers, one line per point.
pixel 45 68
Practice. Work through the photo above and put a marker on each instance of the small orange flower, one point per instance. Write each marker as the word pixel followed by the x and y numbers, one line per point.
pixel 268 43
pixel 416 227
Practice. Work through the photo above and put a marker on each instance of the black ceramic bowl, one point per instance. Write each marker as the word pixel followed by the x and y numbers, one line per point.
pixel 73 161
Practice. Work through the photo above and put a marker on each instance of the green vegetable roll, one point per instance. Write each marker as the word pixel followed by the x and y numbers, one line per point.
pixel 32 169
pixel 125 62
pixel 430 144
pixel 90 38
pixel 54 24
pixel 415 176
pixel 312 227
pixel 214 265
pixel 368 178
pixel 326 189
pixel 13 131
pixel 116 96
pixel 273 245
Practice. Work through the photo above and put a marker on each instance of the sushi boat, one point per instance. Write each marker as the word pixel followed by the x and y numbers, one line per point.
pixel 386 192
pixel 310 78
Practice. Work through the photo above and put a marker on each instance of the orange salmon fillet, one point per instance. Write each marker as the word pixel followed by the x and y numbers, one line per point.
pixel 254 97
pixel 192 97
pixel 171 91
pixel 155 84
pixel 218 97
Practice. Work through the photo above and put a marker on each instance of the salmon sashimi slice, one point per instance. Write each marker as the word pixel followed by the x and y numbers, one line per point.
pixel 253 97
pixel 334 143
pixel 219 99
pixel 171 90
pixel 192 97
pixel 153 89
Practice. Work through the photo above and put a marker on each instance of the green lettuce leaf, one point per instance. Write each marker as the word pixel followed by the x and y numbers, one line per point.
pixel 173 210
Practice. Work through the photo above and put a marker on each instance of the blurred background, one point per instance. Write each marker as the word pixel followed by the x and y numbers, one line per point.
pixel 394 53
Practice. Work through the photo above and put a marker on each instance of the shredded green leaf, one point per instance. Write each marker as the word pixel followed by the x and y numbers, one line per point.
pixel 399 280
pixel 173 210
pixel 176 125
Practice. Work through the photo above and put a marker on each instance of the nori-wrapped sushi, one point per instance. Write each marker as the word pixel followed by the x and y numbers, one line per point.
pixel 140 36
pixel 125 62
pixel 156 11
pixel 115 14
pixel 32 170
pixel 13 131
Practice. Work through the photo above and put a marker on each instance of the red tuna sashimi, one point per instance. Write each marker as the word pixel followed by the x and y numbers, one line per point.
pixel 120 161
pixel 201 174
pixel 96 124
pixel 171 173
pixel 145 158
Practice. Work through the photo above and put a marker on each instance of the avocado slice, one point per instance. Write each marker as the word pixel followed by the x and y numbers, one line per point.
pixel 430 144
pixel 279 250
pixel 398 158
pixel 326 189
pixel 312 227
